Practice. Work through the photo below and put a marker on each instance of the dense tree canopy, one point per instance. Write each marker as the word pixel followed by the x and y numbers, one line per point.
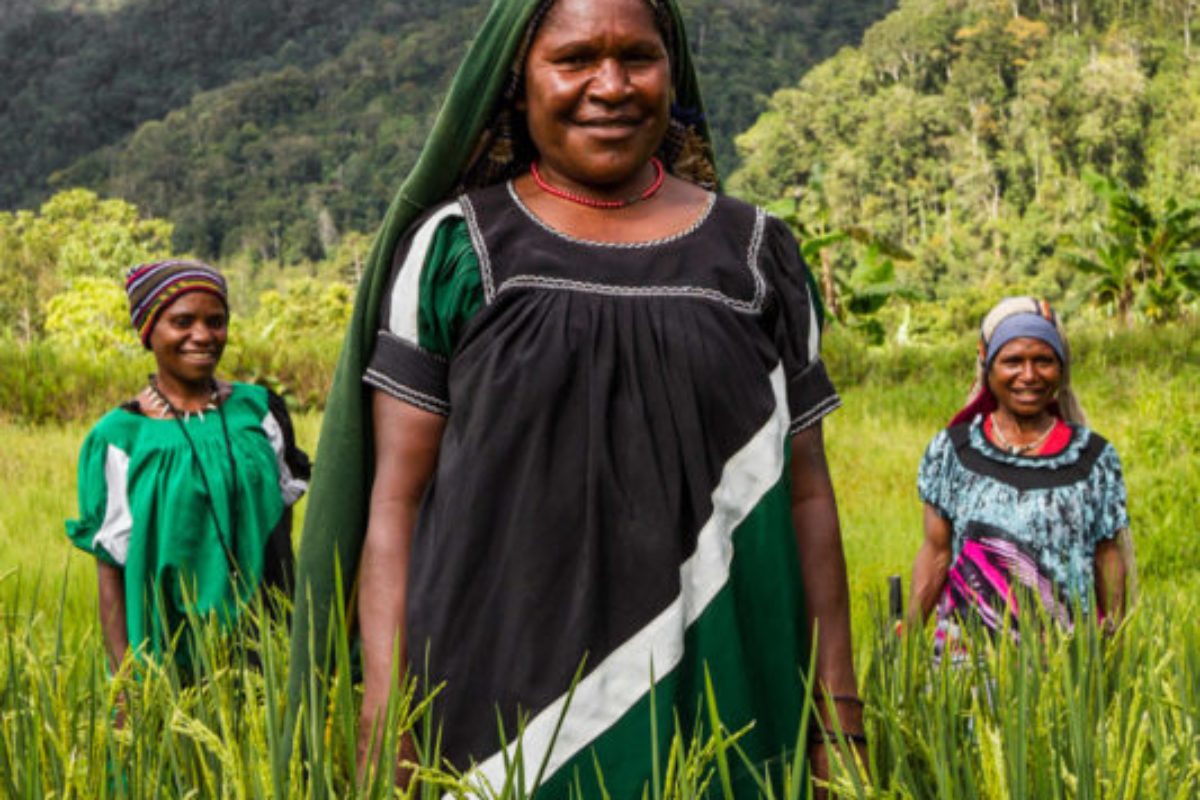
pixel 75 236
pixel 963 130
pixel 274 127
pixel 81 75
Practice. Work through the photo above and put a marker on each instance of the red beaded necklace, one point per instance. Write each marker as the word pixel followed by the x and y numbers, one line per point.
pixel 660 174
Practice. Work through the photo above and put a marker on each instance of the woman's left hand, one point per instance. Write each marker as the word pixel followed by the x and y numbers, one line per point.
pixel 851 756
pixel 846 750
pixel 826 592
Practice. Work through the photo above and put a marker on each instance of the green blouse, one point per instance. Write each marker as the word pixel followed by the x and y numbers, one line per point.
pixel 161 511
pixel 451 289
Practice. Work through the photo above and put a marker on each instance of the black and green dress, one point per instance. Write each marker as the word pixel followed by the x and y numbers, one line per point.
pixel 192 518
pixel 612 485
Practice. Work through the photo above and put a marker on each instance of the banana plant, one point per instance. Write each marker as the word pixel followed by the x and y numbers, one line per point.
pixel 1140 259
pixel 851 299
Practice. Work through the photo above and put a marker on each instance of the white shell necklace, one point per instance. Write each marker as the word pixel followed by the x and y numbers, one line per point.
pixel 166 409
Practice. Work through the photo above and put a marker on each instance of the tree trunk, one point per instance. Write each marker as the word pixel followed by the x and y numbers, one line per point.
pixel 1124 305
pixel 827 285
pixel 1187 29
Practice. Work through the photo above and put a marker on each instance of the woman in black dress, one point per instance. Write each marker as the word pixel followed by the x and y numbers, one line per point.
pixel 596 395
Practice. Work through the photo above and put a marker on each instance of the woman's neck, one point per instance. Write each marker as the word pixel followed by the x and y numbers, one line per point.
pixel 1033 425
pixel 673 209
pixel 188 396
pixel 1019 434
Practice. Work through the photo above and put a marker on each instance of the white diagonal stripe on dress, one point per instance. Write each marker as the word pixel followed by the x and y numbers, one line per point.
pixel 623 678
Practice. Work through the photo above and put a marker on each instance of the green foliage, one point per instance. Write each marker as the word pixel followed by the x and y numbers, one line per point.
pixel 75 235
pixel 852 294
pixel 1054 716
pixel 963 131
pixel 82 75
pixel 46 382
pixel 92 316
pixel 65 325
pixel 305 308
pixel 747 49
pixel 1080 715
pixel 291 343
pixel 1141 256
pixel 275 128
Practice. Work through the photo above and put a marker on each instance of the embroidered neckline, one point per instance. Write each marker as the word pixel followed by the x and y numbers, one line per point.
pixel 753 305
pixel 688 231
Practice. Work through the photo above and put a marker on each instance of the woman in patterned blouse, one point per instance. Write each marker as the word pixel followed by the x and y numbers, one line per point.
pixel 1023 502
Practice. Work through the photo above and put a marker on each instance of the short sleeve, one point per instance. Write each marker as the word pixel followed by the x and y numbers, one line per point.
pixel 294 467
pixel 1108 487
pixel 434 291
pixel 934 476
pixel 105 523
pixel 793 316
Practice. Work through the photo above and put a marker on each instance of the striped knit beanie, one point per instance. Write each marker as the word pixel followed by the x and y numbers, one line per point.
pixel 152 287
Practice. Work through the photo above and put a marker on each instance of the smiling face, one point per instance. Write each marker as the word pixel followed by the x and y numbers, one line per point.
pixel 1024 377
pixel 597 95
pixel 188 339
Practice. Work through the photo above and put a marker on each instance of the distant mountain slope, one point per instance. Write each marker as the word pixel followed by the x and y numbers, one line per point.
pixel 81 75
pixel 306 125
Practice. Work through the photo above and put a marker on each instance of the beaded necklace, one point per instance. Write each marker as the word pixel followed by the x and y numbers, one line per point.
pixel 164 407
pixel 1015 449
pixel 650 191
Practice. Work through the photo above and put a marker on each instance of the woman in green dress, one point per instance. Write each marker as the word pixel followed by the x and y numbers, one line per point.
pixel 185 492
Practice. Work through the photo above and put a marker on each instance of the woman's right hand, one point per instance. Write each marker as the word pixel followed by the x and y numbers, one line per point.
pixel 406 447
pixel 368 756
pixel 930 567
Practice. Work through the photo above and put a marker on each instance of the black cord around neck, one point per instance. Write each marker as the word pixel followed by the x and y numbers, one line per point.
pixel 227 547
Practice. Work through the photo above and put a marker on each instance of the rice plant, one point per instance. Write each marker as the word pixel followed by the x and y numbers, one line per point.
pixel 1082 716
pixel 1085 715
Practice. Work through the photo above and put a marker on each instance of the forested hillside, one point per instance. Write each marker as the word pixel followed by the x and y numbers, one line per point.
pixel 1048 145
pixel 271 127
pixel 80 75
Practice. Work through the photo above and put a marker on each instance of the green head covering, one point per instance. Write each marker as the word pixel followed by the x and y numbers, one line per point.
pixel 471 145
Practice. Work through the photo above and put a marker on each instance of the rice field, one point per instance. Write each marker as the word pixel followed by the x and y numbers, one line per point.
pixel 1084 716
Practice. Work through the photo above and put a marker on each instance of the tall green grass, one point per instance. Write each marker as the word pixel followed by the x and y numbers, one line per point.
pixel 1071 717
pixel 1074 716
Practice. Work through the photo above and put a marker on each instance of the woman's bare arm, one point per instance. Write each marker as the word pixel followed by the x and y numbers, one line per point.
pixel 406 447
pixel 826 592
pixel 1110 580
pixel 930 567
pixel 822 562
pixel 110 581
